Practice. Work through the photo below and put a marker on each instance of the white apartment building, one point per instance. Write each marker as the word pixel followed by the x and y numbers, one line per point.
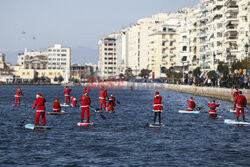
pixel 59 59
pixel 107 57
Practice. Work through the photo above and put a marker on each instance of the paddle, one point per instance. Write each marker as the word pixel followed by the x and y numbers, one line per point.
pixel 199 108
pixel 97 109
pixel 22 123
pixel 147 124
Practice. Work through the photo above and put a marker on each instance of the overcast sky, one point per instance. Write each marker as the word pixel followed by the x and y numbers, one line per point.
pixel 74 23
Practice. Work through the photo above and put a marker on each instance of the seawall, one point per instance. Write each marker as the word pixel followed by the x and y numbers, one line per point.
pixel 213 92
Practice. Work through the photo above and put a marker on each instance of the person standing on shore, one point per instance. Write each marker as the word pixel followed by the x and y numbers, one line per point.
pixel 66 93
pixel 240 103
pixel 102 97
pixel 85 102
pixel 39 104
pixel 56 105
pixel 17 96
pixel 157 107
pixel 191 104
pixel 73 101
pixel 212 111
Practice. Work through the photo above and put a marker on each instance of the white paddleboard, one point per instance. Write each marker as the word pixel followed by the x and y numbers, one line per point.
pixel 33 127
pixel 231 110
pixel 156 125
pixel 233 122
pixel 98 110
pixel 84 123
pixel 64 105
pixel 188 112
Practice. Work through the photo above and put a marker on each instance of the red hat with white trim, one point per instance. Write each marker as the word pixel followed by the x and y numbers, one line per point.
pixel 157 93
pixel 38 95
pixel 191 98
pixel 213 101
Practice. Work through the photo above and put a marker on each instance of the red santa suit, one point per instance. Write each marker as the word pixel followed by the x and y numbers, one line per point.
pixel 191 104
pixel 110 104
pixel 212 106
pixel 131 87
pixel 56 105
pixel 157 106
pixel 39 104
pixel 102 97
pixel 18 95
pixel 240 102
pixel 66 93
pixel 113 98
pixel 85 102
pixel 73 101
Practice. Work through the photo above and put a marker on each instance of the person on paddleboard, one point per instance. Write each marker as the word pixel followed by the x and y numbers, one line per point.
pixel 39 104
pixel 73 101
pixel 191 104
pixel 236 93
pixel 212 106
pixel 56 105
pixel 240 103
pixel 157 107
pixel 66 93
pixel 113 98
pixel 102 97
pixel 85 103
pixel 131 87
pixel 110 104
pixel 17 96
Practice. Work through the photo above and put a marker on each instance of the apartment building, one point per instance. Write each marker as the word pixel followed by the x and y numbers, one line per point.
pixel 107 57
pixel 52 63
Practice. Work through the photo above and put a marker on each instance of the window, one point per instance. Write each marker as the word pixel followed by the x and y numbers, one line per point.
pixel 54 50
pixel 50 50
pixel 105 58
pixel 184 48
pixel 58 59
pixel 63 54
pixel 105 63
pixel 105 53
pixel 58 54
pixel 58 50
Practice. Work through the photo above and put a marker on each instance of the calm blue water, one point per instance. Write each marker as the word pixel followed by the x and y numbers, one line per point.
pixel 122 139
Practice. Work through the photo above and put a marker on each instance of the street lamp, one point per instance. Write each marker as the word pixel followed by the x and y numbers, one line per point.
pixel 246 50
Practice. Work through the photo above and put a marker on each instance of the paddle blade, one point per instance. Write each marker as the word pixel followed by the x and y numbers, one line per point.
pixel 102 116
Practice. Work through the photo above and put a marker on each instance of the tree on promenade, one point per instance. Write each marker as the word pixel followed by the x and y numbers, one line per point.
pixel 223 69
pixel 144 73
pixel 60 78
pixel 197 72
pixel 211 74
pixel 128 72
pixel 55 79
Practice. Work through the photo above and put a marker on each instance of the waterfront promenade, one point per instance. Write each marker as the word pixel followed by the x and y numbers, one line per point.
pixel 213 92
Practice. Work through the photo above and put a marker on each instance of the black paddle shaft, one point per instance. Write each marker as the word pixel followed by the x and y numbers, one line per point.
pixel 21 124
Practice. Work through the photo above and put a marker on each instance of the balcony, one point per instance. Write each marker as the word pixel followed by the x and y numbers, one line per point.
pixel 231 39
pixel 231 9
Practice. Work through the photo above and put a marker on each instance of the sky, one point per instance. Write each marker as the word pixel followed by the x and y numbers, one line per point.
pixel 78 24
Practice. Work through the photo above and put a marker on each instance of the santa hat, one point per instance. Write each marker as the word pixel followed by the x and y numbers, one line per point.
pixel 66 86
pixel 237 89
pixel 102 87
pixel 84 92
pixel 56 99
pixel 157 93
pixel 191 98
pixel 38 95
pixel 213 101
pixel 110 99
pixel 112 95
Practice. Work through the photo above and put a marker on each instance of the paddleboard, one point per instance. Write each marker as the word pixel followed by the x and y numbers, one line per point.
pixel 233 122
pixel 231 110
pixel 56 113
pixel 64 105
pixel 188 112
pixel 84 123
pixel 156 125
pixel 76 106
pixel 33 127
pixel 98 110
